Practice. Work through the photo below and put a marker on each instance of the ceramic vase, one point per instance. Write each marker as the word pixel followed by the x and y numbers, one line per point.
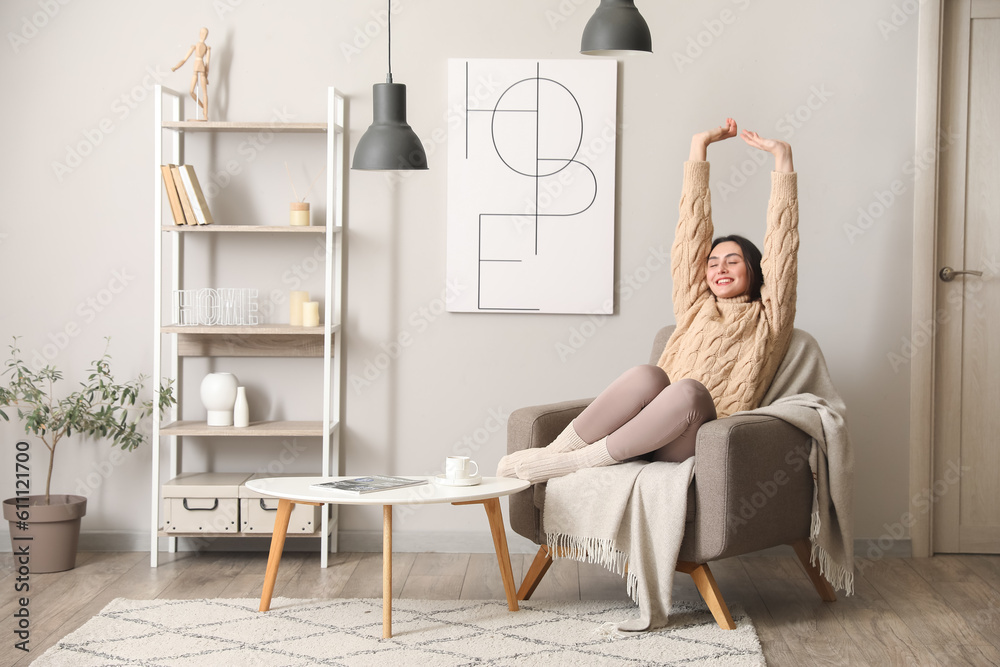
pixel 241 411
pixel 218 393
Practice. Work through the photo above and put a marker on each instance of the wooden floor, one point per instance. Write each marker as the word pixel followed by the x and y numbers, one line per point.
pixel 939 611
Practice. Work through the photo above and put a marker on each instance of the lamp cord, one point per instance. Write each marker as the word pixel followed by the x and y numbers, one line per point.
pixel 388 20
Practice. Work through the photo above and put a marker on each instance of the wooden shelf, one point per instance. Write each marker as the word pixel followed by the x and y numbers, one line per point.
pixel 224 126
pixel 181 343
pixel 262 340
pixel 285 429
pixel 250 229
pixel 164 533
pixel 249 330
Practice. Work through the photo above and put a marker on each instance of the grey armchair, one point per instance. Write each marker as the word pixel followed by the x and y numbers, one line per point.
pixel 752 490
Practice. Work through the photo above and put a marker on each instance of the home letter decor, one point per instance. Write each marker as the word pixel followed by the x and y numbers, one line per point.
pixel 531 185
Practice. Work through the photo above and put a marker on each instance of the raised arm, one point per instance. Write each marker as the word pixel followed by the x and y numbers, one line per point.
pixel 186 56
pixel 693 238
pixel 781 241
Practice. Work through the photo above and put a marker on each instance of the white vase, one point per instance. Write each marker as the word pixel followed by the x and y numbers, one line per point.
pixel 218 393
pixel 241 411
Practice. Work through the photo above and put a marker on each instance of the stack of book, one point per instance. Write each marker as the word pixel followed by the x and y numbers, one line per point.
pixel 187 202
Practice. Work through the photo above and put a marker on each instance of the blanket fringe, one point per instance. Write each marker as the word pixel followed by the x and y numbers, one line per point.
pixel 596 551
pixel 838 576
pixel 609 630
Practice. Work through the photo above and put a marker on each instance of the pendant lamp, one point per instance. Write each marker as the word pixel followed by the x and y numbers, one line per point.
pixel 390 143
pixel 616 27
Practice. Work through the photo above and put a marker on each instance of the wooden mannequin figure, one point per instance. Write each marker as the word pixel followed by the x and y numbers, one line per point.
pixel 202 53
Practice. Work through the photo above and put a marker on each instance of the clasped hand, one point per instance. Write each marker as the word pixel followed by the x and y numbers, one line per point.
pixel 781 150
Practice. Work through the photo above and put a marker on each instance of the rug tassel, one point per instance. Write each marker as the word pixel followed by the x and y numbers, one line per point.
pixel 609 630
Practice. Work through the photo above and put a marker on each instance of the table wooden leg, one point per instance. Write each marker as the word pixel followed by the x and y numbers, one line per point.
pixel 495 515
pixel 277 546
pixel 386 571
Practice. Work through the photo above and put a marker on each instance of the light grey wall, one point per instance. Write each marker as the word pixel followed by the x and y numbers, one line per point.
pixel 836 80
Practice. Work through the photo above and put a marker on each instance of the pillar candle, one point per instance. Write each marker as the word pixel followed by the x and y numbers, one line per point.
pixel 310 314
pixel 298 214
pixel 296 299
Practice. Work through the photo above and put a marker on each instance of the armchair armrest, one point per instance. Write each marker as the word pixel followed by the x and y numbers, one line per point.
pixel 753 487
pixel 536 426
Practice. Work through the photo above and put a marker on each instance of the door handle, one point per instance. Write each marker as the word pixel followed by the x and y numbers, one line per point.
pixel 948 274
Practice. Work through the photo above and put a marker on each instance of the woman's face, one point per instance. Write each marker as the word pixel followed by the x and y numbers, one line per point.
pixel 727 271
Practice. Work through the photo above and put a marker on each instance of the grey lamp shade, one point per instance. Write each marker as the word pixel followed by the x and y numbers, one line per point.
pixel 616 27
pixel 390 143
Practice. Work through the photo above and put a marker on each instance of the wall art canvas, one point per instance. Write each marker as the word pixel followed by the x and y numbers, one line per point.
pixel 531 185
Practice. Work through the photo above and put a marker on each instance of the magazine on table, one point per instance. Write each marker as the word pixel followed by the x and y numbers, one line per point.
pixel 359 485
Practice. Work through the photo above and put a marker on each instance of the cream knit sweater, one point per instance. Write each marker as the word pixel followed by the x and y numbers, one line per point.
pixel 732 346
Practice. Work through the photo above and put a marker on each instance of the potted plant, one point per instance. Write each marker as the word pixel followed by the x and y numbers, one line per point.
pixel 101 408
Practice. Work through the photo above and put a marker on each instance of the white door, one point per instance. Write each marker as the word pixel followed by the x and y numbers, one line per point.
pixel 967 316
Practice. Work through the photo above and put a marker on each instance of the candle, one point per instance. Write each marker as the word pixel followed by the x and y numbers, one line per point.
pixel 296 299
pixel 310 314
pixel 298 214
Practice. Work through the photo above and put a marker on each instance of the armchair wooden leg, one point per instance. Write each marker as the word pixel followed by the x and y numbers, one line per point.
pixel 709 590
pixel 803 549
pixel 539 566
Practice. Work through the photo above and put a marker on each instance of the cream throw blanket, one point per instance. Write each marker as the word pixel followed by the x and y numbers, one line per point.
pixel 627 517
pixel 630 517
pixel 803 395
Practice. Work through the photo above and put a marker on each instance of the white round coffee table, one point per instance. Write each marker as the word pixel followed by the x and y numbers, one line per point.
pixel 296 490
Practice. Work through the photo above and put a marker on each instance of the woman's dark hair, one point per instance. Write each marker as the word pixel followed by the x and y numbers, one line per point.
pixel 751 257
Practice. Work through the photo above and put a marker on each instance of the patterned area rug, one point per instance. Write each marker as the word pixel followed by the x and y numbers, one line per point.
pixel 425 632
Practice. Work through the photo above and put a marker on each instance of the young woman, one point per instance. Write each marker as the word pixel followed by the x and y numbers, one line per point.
pixel 735 309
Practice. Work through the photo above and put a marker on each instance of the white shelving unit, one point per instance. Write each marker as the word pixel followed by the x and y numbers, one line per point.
pixel 264 340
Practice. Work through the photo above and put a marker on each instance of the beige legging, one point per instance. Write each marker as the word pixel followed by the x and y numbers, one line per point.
pixel 642 412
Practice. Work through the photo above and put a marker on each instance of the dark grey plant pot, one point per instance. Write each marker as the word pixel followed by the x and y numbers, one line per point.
pixel 54 529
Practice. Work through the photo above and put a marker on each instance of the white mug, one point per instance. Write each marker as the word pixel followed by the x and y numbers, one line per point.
pixel 457 467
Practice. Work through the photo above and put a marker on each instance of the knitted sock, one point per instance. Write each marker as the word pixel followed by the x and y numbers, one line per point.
pixel 556 464
pixel 508 464
pixel 567 441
